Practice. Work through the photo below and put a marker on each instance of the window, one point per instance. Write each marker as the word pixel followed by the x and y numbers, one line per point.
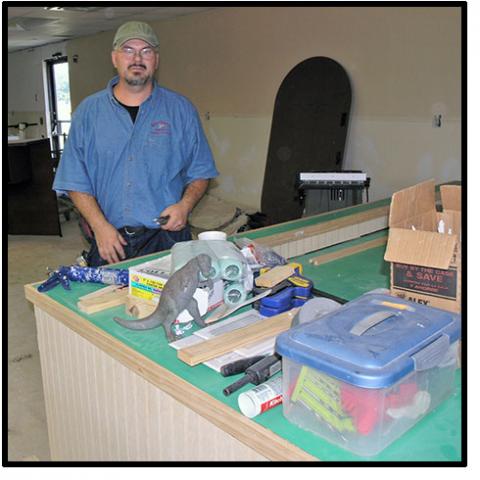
pixel 59 103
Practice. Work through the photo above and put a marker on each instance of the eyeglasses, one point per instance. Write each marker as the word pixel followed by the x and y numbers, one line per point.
pixel 146 52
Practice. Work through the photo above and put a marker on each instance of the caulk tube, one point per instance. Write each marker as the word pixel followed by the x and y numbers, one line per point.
pixel 261 398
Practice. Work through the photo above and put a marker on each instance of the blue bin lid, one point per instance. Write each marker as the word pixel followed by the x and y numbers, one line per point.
pixel 373 341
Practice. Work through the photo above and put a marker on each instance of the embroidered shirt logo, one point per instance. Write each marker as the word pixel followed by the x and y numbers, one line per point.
pixel 159 127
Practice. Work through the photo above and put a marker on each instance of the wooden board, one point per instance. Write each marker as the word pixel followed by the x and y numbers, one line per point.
pixel 238 338
pixel 274 276
pixel 301 241
pixel 139 307
pixel 345 252
pixel 101 291
pixel 102 302
pixel 324 227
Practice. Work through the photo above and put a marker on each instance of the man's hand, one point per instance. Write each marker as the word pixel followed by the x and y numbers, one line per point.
pixel 178 214
pixel 179 211
pixel 110 243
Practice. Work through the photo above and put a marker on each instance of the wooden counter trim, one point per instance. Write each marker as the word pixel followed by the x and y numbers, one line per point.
pixel 240 427
pixel 345 252
pixel 325 227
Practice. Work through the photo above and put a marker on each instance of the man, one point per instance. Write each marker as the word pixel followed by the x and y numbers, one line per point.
pixel 135 152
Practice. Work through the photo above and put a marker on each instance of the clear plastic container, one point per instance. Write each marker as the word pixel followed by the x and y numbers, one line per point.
pixel 364 374
pixel 363 420
pixel 231 261
pixel 183 252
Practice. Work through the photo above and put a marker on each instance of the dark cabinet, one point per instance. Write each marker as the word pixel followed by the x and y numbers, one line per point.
pixel 32 204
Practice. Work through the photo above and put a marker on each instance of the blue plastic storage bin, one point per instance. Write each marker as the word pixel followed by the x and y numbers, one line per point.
pixel 364 374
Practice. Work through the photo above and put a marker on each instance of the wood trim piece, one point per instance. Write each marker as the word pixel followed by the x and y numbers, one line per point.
pixel 238 338
pixel 102 291
pixel 245 430
pixel 313 230
pixel 274 276
pixel 345 252
pixel 139 307
pixel 102 302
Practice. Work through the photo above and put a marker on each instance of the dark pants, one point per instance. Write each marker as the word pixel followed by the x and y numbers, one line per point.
pixel 141 241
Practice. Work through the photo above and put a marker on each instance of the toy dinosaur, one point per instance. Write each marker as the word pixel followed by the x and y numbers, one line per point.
pixel 177 295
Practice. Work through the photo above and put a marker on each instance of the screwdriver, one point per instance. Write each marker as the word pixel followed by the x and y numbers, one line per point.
pixel 257 373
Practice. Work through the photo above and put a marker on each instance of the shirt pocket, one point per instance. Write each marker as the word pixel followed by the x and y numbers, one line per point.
pixel 162 155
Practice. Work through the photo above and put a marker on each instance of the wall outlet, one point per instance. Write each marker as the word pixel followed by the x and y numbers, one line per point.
pixel 437 121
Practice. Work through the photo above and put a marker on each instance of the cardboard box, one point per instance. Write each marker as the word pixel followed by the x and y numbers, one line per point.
pixel 146 282
pixel 426 264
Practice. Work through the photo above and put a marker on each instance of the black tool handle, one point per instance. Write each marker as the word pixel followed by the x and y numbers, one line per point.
pixel 235 386
pixel 264 369
pixel 239 366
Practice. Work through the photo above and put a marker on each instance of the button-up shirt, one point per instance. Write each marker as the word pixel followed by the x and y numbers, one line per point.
pixel 134 170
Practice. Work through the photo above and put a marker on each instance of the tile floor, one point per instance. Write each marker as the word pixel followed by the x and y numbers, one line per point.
pixel 28 258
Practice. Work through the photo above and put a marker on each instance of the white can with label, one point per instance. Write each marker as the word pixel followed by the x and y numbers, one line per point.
pixel 261 398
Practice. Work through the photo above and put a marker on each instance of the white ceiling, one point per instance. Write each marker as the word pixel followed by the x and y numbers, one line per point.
pixel 34 26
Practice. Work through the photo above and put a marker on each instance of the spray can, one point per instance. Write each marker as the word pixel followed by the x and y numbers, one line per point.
pixel 261 398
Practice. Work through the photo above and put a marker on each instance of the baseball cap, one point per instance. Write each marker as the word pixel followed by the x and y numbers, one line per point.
pixel 135 29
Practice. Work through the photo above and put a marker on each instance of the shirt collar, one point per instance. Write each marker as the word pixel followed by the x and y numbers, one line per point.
pixel 115 80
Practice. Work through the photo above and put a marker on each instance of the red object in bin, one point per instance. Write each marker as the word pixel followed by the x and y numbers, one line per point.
pixel 367 407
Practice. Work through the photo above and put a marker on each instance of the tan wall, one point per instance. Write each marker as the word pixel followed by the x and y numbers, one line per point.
pixel 26 90
pixel 404 64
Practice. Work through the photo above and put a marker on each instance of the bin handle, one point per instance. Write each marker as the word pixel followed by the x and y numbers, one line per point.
pixel 368 322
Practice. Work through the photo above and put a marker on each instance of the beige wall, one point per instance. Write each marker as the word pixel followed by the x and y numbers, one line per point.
pixel 404 64
pixel 26 90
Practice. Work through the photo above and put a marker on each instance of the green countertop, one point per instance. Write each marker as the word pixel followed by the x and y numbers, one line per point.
pixel 435 438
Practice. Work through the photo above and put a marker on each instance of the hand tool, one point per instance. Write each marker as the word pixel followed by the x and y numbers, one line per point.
pixel 161 220
pixel 257 373
pixel 292 292
pixel 298 268
pixel 239 366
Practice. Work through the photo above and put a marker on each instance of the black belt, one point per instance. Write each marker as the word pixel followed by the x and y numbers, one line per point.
pixel 133 231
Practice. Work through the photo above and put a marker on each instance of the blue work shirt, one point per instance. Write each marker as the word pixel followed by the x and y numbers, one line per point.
pixel 134 170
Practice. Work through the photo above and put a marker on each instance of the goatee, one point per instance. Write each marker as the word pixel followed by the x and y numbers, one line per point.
pixel 138 81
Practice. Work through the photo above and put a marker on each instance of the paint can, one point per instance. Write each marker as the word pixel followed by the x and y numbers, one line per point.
pixel 261 398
